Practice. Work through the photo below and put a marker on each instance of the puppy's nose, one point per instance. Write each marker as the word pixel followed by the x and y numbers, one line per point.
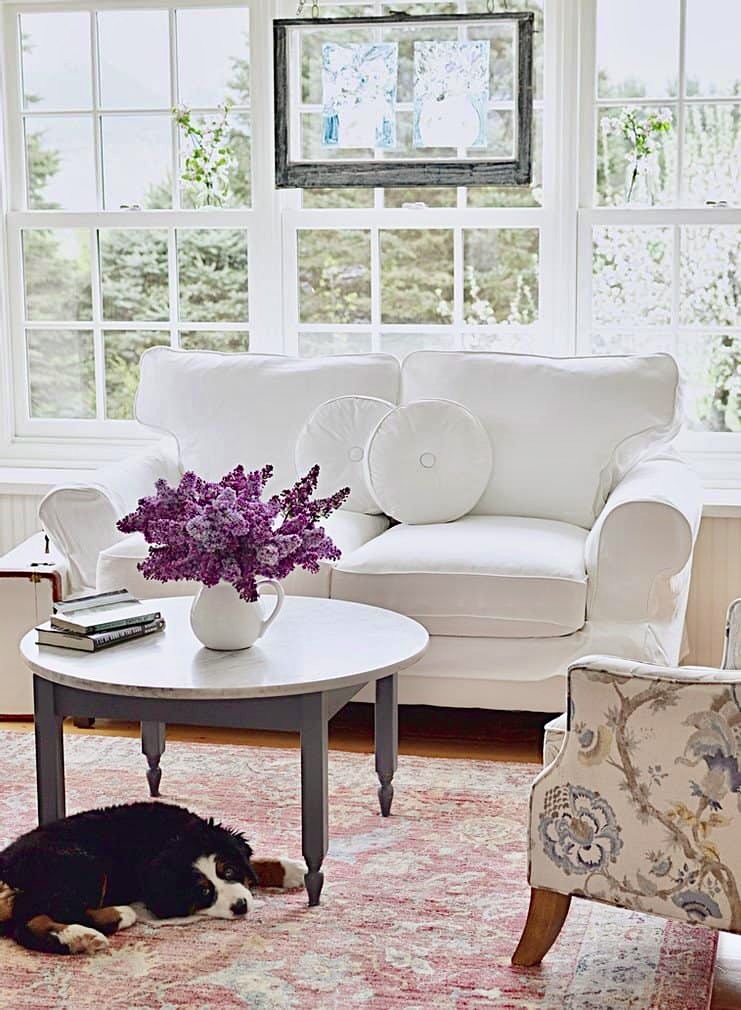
pixel 240 907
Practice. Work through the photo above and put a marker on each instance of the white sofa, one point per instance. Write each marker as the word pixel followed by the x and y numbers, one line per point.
pixel 581 543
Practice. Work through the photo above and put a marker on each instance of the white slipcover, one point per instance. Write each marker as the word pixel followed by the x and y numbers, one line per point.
pixel 225 409
pixel 563 430
pixel 482 576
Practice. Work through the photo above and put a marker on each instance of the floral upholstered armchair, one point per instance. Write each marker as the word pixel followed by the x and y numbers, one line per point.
pixel 642 806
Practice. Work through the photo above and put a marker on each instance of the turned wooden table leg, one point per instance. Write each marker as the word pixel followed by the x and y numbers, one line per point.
pixel 545 918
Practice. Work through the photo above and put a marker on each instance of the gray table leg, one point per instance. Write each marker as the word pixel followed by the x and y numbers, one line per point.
pixel 387 739
pixel 49 753
pixel 153 747
pixel 314 818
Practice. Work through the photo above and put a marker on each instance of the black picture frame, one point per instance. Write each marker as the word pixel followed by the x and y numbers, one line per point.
pixel 516 171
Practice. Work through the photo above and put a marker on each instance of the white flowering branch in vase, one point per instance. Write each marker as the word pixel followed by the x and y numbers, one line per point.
pixel 209 160
pixel 640 134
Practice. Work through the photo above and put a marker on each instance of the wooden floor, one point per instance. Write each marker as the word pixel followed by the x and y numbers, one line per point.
pixel 431 732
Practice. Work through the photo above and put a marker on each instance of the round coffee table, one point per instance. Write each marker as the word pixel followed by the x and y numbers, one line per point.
pixel 311 662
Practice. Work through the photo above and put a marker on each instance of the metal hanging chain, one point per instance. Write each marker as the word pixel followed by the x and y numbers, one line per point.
pixel 302 5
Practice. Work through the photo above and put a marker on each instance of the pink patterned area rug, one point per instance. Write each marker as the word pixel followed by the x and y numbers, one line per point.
pixel 420 911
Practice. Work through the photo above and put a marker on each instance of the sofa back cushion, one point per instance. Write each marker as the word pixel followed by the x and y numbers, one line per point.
pixel 563 431
pixel 225 409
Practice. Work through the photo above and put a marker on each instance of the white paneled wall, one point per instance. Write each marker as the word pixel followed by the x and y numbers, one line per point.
pixel 716 580
pixel 716 576
pixel 18 518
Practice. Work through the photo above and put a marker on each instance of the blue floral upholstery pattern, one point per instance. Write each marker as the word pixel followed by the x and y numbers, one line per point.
pixel 642 807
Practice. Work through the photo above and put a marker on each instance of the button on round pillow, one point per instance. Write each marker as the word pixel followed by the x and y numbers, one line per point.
pixel 335 437
pixel 428 462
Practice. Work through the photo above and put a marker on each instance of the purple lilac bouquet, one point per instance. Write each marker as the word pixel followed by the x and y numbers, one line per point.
pixel 226 531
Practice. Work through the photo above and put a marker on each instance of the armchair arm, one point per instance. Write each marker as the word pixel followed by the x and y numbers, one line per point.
pixel 642 540
pixel 638 809
pixel 81 518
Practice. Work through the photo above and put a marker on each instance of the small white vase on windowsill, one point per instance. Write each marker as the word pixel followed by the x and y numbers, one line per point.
pixel 222 620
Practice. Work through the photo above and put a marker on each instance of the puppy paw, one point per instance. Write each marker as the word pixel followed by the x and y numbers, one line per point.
pixel 293 873
pixel 7 900
pixel 82 940
pixel 128 916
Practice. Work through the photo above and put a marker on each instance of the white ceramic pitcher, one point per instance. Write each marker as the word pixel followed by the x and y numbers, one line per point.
pixel 222 620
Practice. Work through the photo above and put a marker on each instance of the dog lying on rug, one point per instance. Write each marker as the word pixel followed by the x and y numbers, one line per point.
pixel 68 885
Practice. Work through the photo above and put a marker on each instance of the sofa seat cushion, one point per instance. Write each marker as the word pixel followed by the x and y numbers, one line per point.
pixel 117 565
pixel 481 576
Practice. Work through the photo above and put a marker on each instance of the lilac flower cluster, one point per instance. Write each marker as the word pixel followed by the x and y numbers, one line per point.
pixel 211 532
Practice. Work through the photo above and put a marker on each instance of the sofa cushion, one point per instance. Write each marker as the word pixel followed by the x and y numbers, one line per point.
pixel 225 409
pixel 563 431
pixel 335 437
pixel 481 576
pixel 428 462
pixel 117 566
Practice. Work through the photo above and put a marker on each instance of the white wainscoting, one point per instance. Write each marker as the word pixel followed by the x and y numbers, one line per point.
pixel 716 575
pixel 716 581
pixel 18 518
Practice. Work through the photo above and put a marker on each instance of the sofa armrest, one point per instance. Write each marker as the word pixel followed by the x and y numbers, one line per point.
pixel 81 518
pixel 640 809
pixel 642 540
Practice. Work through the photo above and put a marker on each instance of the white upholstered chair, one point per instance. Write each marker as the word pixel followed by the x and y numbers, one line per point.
pixel 641 807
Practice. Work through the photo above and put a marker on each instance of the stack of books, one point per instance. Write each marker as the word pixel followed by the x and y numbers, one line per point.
pixel 91 623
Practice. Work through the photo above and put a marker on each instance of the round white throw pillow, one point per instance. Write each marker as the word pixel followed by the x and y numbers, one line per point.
pixel 335 437
pixel 428 462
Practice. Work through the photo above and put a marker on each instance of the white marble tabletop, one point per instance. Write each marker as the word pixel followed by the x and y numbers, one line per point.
pixel 314 645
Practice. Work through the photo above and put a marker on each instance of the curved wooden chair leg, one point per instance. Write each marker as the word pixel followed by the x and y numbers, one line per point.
pixel 545 918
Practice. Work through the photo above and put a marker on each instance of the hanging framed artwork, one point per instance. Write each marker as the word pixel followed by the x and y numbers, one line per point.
pixel 430 100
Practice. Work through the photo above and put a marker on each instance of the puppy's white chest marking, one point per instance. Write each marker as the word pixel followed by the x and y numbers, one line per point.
pixel 228 892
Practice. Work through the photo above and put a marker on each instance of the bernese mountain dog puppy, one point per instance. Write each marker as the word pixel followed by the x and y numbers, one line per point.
pixel 66 886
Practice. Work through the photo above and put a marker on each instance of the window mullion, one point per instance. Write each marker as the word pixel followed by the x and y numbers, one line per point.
pixel 97 124
pixel 375 265
pixel 174 102
pixel 173 286
pixel 681 108
pixel 98 338
pixel 458 267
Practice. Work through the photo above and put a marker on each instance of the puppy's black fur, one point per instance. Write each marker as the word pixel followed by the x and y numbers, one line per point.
pixel 75 869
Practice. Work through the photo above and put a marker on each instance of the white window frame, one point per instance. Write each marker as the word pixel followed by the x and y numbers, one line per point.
pixel 26 439
pixel 565 220
pixel 716 455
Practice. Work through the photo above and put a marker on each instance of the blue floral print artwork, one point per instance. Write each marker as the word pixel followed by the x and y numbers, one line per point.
pixel 451 94
pixel 359 94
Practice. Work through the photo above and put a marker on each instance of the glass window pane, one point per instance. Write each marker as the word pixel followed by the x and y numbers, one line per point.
pixel 56 273
pixel 215 340
pixel 712 153
pixel 60 166
pixel 709 290
pixel 515 196
pixel 711 365
pixel 500 273
pixel 133 273
pixel 429 196
pixel 713 65
pixel 334 276
pixel 621 177
pixel 337 197
pixel 216 39
pixel 137 162
pixel 56 60
pixel 632 276
pixel 312 345
pixel 236 192
pixel 506 339
pixel 134 59
pixel 402 344
pixel 637 48
pixel 123 348
pixel 417 276
pixel 212 274
pixel 61 372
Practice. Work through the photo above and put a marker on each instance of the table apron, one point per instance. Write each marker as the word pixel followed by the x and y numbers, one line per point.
pixel 279 712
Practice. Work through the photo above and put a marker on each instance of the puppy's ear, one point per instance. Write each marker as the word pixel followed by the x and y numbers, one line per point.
pixel 165 891
pixel 245 852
